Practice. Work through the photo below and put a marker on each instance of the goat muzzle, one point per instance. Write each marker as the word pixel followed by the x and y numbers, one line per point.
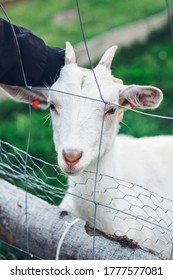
pixel 72 157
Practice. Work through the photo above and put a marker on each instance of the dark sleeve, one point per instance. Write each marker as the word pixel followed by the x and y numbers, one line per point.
pixel 41 63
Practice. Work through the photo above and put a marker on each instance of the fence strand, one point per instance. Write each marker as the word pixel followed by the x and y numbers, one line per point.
pixel 47 181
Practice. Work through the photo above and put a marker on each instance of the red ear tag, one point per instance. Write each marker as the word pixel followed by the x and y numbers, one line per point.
pixel 35 104
pixel 132 105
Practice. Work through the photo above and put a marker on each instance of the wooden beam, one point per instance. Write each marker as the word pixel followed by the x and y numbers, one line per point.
pixel 41 230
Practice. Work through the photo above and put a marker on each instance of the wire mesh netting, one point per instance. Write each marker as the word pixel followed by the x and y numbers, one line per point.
pixel 38 177
pixel 129 210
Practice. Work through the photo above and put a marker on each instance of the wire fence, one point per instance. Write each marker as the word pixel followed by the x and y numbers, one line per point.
pixel 13 167
pixel 138 213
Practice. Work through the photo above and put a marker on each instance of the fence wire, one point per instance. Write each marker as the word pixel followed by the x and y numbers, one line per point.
pixel 136 210
pixel 35 174
pixel 131 208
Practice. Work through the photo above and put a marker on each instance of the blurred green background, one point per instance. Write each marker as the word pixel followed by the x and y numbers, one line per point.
pixel 149 63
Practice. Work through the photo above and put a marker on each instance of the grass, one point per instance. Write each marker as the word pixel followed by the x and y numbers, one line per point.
pixel 149 63
pixel 145 64
pixel 98 16
pixel 15 124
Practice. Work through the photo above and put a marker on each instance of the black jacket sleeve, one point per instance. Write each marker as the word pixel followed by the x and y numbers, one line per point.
pixel 41 63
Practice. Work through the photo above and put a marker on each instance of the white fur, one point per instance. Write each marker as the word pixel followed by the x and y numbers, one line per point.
pixel 147 162
pixel 115 198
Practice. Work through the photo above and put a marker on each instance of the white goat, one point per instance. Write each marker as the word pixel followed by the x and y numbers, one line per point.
pixel 90 115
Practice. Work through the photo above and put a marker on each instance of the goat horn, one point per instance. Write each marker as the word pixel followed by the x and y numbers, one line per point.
pixel 70 56
pixel 108 57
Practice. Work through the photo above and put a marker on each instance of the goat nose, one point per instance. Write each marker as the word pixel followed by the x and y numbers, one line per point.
pixel 72 156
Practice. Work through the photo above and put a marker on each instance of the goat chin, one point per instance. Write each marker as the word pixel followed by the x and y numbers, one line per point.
pixel 72 170
pixel 83 125
pixel 134 155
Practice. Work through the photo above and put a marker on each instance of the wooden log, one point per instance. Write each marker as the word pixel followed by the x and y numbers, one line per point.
pixel 41 230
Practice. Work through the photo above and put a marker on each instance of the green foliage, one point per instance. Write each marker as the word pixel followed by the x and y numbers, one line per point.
pixel 8 253
pixel 98 16
pixel 148 64
pixel 15 125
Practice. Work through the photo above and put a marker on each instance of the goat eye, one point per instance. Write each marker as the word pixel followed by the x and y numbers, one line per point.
pixel 52 107
pixel 111 111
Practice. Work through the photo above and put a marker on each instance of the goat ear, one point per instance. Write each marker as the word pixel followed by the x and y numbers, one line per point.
pixel 108 57
pixel 144 97
pixel 70 57
pixel 26 95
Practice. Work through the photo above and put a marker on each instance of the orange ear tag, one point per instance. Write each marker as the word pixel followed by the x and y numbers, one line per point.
pixel 132 105
pixel 35 104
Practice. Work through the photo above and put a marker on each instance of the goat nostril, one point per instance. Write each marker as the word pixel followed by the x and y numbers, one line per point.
pixel 72 156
